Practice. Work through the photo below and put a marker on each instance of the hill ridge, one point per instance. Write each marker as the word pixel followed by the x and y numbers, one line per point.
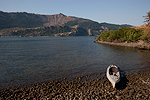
pixel 30 20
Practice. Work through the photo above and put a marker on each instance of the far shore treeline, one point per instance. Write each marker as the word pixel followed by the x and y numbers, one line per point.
pixel 23 24
pixel 48 31
pixel 131 34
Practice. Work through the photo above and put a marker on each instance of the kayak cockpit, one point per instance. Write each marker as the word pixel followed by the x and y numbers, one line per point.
pixel 114 71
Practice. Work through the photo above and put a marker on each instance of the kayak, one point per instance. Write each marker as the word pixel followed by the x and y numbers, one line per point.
pixel 113 74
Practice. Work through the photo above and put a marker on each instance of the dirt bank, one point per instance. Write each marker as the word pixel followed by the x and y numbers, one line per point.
pixel 133 86
pixel 140 44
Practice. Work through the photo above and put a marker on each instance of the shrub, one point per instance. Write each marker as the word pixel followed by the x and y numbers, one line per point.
pixel 121 35
pixel 146 34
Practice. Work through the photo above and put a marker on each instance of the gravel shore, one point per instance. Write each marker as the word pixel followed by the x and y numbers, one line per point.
pixel 133 86
pixel 140 44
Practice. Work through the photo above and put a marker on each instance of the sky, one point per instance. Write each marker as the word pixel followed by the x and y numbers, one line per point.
pixel 109 11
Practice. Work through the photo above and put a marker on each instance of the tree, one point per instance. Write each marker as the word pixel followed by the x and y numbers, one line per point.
pixel 147 18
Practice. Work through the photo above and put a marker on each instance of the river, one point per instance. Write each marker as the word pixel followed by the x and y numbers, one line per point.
pixel 25 60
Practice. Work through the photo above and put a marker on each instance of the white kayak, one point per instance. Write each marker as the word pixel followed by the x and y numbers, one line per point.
pixel 113 74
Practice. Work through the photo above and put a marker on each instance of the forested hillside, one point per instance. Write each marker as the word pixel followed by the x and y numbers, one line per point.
pixel 48 31
pixel 21 20
pixel 29 24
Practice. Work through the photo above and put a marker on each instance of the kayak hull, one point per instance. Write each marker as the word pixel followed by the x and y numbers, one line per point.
pixel 113 74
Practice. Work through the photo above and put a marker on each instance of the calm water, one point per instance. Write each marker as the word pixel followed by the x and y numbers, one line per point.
pixel 35 59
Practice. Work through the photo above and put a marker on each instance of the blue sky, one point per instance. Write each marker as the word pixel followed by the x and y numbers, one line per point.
pixel 110 11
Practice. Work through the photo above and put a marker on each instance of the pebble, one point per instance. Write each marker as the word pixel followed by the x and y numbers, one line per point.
pixel 135 87
pixel 118 97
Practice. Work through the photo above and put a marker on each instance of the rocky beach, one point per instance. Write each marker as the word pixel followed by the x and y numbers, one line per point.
pixel 89 87
pixel 139 44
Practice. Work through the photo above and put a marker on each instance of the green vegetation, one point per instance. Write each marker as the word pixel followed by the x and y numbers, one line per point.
pixel 46 31
pixel 71 23
pixel 19 19
pixel 29 24
pixel 114 26
pixel 96 28
pixel 128 34
pixel 125 34
pixel 146 34
pixel 81 32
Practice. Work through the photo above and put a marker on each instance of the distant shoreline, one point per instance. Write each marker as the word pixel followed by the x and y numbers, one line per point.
pixel 48 36
pixel 140 44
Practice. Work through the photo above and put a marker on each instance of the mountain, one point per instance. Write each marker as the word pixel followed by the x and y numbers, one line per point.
pixel 20 23
pixel 29 20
